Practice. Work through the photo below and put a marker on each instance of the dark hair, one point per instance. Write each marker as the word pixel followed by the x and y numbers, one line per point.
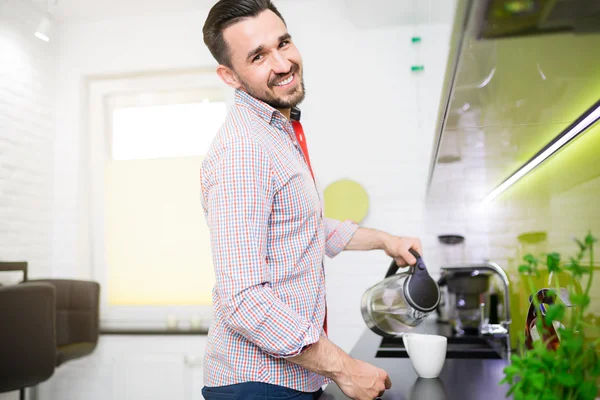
pixel 226 13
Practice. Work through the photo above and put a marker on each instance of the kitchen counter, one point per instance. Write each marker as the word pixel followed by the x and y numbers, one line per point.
pixel 464 379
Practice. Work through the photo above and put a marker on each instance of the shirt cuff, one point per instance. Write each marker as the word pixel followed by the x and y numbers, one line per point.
pixel 311 337
pixel 338 236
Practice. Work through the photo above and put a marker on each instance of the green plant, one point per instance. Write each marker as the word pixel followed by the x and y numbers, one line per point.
pixel 571 371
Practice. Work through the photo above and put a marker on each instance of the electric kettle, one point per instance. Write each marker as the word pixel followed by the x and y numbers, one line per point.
pixel 401 299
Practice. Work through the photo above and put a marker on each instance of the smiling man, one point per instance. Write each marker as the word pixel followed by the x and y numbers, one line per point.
pixel 268 233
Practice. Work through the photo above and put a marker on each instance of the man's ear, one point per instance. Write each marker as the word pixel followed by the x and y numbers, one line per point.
pixel 228 76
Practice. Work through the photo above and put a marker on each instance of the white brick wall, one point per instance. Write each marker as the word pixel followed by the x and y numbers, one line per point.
pixel 27 130
pixel 27 72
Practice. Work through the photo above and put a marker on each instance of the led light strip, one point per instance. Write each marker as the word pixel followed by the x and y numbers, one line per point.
pixel 585 121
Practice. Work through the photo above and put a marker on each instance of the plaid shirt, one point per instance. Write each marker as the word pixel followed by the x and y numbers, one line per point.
pixel 269 238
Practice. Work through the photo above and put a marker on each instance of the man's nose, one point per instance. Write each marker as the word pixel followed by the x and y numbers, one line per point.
pixel 280 64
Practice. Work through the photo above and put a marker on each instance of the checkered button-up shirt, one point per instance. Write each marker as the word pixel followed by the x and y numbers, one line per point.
pixel 269 238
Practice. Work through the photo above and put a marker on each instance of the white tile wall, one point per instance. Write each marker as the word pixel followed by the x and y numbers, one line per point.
pixel 27 72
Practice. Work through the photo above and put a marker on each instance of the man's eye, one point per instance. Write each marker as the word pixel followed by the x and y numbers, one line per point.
pixel 284 43
pixel 257 58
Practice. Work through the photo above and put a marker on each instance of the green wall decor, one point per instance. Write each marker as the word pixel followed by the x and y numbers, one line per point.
pixel 346 199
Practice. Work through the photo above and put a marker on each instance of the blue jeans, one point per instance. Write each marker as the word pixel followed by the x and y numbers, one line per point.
pixel 256 391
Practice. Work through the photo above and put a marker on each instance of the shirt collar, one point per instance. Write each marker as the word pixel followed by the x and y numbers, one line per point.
pixel 262 109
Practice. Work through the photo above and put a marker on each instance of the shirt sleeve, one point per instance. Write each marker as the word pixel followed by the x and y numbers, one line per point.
pixel 338 235
pixel 239 201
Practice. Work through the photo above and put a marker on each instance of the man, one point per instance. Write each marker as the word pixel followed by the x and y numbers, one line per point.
pixel 268 233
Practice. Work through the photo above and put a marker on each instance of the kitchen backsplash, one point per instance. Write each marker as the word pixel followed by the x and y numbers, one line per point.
pixel 540 202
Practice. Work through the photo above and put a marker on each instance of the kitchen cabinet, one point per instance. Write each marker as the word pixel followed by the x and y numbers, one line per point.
pixel 133 367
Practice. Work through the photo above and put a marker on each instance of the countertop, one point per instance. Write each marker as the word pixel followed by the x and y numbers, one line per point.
pixel 464 379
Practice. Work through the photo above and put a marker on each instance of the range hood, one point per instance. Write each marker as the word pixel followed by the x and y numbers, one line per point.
pixel 507 18
pixel 510 89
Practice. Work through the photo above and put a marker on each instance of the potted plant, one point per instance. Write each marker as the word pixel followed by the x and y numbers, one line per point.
pixel 560 363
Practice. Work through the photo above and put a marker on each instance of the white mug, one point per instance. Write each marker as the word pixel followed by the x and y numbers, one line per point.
pixel 427 353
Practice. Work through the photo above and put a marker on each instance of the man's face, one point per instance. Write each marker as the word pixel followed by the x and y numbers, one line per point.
pixel 265 61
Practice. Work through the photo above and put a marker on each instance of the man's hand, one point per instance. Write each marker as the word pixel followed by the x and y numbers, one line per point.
pixel 357 379
pixel 397 247
pixel 363 381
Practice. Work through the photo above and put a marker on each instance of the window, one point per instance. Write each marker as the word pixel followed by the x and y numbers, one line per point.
pixel 153 246
pixel 165 131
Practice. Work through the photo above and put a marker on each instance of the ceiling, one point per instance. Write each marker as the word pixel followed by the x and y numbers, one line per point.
pixel 379 13
pixel 364 14
pixel 90 10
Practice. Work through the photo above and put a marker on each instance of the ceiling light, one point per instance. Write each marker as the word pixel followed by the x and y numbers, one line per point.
pixel 586 120
pixel 43 30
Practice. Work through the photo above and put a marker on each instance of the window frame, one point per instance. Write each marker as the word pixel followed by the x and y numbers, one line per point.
pixel 104 94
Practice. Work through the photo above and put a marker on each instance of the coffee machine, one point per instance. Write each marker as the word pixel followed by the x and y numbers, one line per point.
pixel 467 304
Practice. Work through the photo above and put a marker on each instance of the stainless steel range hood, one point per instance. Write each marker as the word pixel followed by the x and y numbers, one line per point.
pixel 508 18
pixel 510 89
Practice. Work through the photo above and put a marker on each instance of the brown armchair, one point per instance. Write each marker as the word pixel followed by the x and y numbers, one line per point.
pixel 62 312
pixel 27 335
pixel 77 317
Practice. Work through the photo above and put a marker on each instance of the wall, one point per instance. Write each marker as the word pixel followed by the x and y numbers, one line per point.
pixel 559 198
pixel 367 116
pixel 27 72
pixel 27 88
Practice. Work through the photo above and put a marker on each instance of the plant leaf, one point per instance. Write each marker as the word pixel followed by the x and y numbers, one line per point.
pixel 537 381
pixel 580 299
pixel 548 357
pixel 574 345
pixel 576 269
pixel 596 365
pixel 555 312
pixel 553 262
pixel 566 379
pixel 515 359
pixel 524 269
pixel 590 240
pixel 531 260
pixel 581 245
pixel 573 260
pixel 511 370
pixel 548 395
pixel 587 390
pixel 535 364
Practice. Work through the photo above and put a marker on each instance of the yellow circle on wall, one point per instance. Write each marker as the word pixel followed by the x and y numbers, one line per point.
pixel 346 199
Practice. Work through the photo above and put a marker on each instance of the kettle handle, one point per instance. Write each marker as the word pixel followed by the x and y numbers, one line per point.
pixel 394 267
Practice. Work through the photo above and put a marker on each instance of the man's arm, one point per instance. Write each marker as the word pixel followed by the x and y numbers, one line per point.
pixel 357 379
pixel 347 235
pixel 394 246
pixel 238 197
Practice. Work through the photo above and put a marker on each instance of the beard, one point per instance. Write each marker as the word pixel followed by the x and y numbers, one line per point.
pixel 281 101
